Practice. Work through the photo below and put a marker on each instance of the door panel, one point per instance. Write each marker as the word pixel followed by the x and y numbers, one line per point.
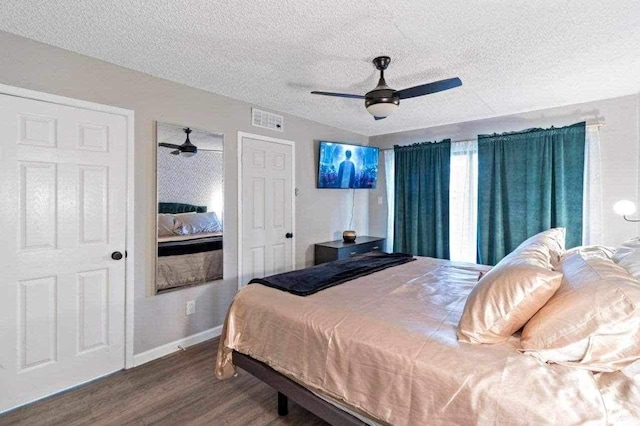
pixel 267 208
pixel 63 192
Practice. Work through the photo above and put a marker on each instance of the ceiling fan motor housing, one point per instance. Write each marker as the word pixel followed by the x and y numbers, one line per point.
pixel 381 96
pixel 382 100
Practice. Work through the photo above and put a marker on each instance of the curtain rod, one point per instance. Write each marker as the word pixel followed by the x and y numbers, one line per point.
pixel 596 125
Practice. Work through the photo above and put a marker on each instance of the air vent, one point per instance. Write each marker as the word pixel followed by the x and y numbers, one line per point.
pixel 267 120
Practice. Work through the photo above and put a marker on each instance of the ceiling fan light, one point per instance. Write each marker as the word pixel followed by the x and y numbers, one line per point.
pixel 188 153
pixel 382 109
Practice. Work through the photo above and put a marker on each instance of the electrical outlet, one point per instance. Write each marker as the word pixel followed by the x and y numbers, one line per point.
pixel 380 200
pixel 191 307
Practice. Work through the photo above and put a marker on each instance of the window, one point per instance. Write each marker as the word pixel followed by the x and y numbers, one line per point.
pixel 463 197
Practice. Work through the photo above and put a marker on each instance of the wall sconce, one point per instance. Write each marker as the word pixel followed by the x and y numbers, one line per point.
pixel 625 208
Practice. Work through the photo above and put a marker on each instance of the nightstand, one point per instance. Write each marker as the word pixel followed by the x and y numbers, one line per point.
pixel 334 250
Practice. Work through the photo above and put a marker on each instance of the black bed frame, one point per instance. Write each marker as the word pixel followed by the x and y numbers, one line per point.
pixel 287 388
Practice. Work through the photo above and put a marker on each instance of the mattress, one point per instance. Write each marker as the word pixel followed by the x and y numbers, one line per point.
pixel 385 346
pixel 189 244
pixel 188 269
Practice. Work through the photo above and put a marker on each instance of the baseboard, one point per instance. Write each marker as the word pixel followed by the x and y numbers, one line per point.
pixel 169 348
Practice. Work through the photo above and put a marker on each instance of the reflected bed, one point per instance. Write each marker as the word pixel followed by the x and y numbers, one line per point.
pixel 188 253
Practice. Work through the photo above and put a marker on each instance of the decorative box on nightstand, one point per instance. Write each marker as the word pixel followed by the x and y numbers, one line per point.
pixel 334 250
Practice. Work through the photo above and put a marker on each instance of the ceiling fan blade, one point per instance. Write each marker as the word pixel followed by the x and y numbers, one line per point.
pixel 425 89
pixel 169 145
pixel 379 118
pixel 176 152
pixel 339 95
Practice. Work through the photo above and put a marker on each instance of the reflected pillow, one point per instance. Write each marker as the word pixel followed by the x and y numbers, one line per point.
pixel 166 225
pixel 628 256
pixel 593 320
pixel 198 223
pixel 508 295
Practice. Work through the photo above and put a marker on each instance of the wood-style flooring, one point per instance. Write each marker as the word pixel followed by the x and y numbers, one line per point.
pixel 179 389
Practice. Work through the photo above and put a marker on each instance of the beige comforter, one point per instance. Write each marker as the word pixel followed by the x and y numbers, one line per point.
pixel 385 345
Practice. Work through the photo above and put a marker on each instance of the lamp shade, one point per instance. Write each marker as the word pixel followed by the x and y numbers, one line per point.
pixel 382 109
pixel 624 207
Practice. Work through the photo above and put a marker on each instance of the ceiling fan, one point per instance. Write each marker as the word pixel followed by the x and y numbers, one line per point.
pixel 383 100
pixel 187 149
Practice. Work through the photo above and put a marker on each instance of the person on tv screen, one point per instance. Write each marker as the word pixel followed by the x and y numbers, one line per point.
pixel 346 172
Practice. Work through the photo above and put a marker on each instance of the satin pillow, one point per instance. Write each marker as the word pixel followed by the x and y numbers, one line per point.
pixel 628 256
pixel 508 295
pixel 593 250
pixel 593 320
pixel 553 238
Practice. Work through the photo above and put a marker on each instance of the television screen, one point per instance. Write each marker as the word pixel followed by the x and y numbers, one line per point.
pixel 347 166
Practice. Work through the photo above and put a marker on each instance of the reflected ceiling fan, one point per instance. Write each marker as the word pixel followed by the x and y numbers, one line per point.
pixel 383 100
pixel 187 149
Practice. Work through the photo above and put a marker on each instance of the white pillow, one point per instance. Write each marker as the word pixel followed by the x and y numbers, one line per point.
pixel 628 256
pixel 198 223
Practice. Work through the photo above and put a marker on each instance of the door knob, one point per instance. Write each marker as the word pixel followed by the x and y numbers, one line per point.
pixel 288 235
pixel 116 255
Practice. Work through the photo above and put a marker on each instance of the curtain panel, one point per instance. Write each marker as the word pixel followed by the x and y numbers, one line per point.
pixel 592 204
pixel 463 201
pixel 390 177
pixel 529 181
pixel 422 199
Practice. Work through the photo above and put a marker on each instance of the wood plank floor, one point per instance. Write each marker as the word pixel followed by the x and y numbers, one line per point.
pixel 179 389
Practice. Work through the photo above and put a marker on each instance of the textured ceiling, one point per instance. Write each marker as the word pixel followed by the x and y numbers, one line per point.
pixel 512 56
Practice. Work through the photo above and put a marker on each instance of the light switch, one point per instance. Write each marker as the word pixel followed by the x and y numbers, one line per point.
pixel 380 200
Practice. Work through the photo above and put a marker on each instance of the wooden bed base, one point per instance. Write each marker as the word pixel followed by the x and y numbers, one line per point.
pixel 287 388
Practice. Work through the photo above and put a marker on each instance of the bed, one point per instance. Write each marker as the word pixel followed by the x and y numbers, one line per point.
pixel 190 242
pixel 382 349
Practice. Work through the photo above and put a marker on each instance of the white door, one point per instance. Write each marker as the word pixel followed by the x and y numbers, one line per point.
pixel 63 212
pixel 267 207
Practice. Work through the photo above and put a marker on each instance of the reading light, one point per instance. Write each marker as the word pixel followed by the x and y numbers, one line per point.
pixel 625 208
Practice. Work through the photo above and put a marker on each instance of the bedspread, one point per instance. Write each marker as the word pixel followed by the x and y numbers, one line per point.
pixel 385 345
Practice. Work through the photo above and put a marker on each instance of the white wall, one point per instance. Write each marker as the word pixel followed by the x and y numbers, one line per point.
pixel 320 214
pixel 620 151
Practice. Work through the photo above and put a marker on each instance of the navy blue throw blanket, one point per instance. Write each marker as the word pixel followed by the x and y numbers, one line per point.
pixel 307 281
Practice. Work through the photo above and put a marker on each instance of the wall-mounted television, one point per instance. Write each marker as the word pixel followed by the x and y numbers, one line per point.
pixel 347 166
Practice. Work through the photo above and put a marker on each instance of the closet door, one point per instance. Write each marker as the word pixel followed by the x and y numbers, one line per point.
pixel 267 207
pixel 63 211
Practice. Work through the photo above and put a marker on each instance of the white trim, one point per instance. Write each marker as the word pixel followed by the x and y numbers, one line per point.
pixel 62 100
pixel 130 240
pixel 175 346
pixel 242 135
pixel 130 259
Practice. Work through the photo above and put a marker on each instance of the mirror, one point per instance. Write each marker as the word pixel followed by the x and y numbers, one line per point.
pixel 190 202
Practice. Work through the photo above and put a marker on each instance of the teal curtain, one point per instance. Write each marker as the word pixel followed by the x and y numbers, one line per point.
pixel 422 199
pixel 528 182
